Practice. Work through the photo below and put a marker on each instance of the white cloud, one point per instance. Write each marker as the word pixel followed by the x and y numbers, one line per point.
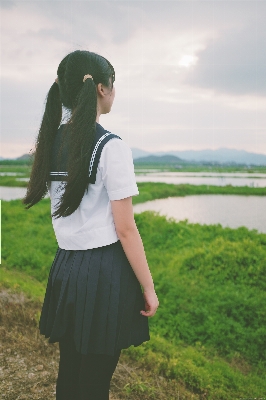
pixel 170 92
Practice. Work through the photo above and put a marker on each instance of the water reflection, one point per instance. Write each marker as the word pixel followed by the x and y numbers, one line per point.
pixel 228 210
pixel 205 178
pixel 12 193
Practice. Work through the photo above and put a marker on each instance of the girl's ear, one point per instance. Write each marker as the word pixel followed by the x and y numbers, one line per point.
pixel 100 90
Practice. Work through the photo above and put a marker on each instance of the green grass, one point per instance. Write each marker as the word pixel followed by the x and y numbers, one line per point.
pixel 156 190
pixel 15 163
pixel 210 329
pixel 21 282
pixel 185 189
pixel 12 181
pixel 197 368
pixel 212 284
pixel 23 169
pixel 203 372
pixel 17 166
pixel 202 168
pixel 28 241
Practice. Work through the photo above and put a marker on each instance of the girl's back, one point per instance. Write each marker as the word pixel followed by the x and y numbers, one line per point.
pixel 94 305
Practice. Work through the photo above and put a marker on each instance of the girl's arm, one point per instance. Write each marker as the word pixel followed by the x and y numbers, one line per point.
pixel 132 244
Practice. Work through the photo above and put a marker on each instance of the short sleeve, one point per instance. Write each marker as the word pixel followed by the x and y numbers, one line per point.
pixel 117 169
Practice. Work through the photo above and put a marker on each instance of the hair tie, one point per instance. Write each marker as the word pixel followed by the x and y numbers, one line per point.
pixel 86 77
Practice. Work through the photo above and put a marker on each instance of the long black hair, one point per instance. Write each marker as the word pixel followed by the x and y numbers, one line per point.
pixel 80 98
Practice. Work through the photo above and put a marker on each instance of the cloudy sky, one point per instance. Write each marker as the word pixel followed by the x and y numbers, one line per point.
pixel 189 74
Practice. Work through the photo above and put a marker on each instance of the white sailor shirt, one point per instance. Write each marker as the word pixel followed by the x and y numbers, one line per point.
pixel 92 224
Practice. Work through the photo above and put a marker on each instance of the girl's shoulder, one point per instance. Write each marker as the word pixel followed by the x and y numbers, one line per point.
pixel 110 153
pixel 116 148
pixel 110 142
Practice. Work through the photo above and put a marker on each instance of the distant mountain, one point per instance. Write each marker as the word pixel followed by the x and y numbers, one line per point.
pixel 24 157
pixel 222 155
pixel 136 153
pixel 154 159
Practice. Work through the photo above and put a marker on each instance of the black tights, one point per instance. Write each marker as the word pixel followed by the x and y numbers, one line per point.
pixel 83 377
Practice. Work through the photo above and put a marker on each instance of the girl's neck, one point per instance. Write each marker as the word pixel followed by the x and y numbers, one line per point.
pixel 98 116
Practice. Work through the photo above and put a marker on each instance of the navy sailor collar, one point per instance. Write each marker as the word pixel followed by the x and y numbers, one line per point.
pixel 58 173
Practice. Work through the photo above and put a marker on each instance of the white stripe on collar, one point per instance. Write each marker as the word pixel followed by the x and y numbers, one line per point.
pixel 95 151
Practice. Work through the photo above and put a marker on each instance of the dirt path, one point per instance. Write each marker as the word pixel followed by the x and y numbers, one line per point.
pixel 29 364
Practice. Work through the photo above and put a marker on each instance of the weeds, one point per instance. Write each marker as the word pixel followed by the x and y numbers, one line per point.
pixel 208 335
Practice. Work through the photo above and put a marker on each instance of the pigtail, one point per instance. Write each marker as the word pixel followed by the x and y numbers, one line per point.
pixel 81 136
pixel 80 98
pixel 37 186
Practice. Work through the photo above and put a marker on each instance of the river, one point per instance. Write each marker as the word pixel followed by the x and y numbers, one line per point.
pixel 228 210
pixel 205 178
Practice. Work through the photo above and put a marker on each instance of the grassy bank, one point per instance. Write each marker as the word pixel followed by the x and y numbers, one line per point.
pixel 18 282
pixel 209 331
pixel 29 364
pixel 18 166
pixel 202 168
pixel 22 171
pixel 12 181
pixel 157 190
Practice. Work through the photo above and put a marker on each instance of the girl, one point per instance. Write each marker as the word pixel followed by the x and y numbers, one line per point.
pixel 94 305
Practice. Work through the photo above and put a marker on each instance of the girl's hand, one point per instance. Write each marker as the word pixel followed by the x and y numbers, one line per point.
pixel 151 303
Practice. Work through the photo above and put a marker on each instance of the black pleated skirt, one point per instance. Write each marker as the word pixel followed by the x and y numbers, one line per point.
pixel 95 296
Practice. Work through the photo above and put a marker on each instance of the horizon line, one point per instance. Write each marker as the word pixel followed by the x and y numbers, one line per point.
pixel 160 151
